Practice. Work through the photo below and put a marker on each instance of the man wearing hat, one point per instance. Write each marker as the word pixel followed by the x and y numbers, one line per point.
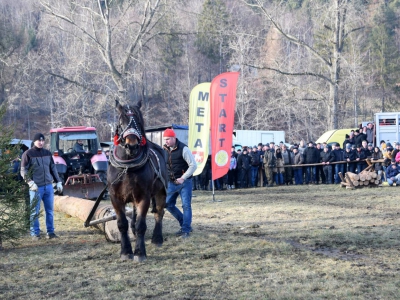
pixel 39 171
pixel 181 165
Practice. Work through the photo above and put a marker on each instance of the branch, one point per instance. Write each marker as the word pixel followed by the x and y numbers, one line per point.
pixel 76 83
pixel 292 74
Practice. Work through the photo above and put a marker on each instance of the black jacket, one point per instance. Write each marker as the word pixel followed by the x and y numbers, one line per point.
pixel 350 155
pixel 339 155
pixel 311 155
pixel 244 161
pixel 40 162
pixel 327 156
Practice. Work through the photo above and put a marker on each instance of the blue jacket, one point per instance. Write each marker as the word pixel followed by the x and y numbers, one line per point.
pixel 390 172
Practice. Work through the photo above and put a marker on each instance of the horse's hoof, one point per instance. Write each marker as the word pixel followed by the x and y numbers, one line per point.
pixel 126 256
pixel 139 259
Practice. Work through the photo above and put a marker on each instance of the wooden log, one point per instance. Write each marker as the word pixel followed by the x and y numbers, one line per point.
pixel 372 180
pixel 355 183
pixel 349 188
pixel 348 180
pixel 374 175
pixel 377 182
pixel 344 184
pixel 367 169
pixel 341 177
pixel 81 208
pixel 362 177
pixel 353 176
pixel 368 176
pixel 366 182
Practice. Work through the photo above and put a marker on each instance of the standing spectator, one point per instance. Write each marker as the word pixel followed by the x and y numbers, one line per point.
pixel 360 158
pixel 311 156
pixel 346 141
pixel 279 166
pixel 232 170
pixel 288 158
pixel 238 171
pixel 370 133
pixel 377 155
pixel 269 162
pixel 40 163
pixel 363 134
pixel 181 165
pixel 255 164
pixel 351 138
pixel 370 150
pixel 262 168
pixel 395 151
pixel 358 138
pixel 339 157
pixel 327 158
pixel 320 170
pixel 205 175
pixel 298 171
pixel 350 156
pixel 244 163
pixel 393 174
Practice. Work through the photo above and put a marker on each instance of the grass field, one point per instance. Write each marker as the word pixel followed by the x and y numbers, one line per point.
pixel 295 242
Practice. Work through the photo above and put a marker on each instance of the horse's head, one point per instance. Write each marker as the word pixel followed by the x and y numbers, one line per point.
pixel 131 124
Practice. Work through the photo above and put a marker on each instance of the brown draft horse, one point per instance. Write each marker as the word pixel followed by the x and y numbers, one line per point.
pixel 137 174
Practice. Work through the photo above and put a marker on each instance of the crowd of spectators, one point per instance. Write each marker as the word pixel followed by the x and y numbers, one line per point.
pixel 267 165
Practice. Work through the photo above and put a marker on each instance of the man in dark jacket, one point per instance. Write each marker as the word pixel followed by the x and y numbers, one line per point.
pixel 39 171
pixel 311 156
pixel 350 156
pixel 244 161
pixel 255 160
pixel 339 156
pixel 360 158
pixel 327 158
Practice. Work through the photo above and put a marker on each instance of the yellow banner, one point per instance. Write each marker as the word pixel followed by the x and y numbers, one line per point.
pixel 199 124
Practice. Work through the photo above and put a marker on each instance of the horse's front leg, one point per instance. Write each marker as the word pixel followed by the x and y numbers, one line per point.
pixel 157 237
pixel 123 226
pixel 140 226
pixel 133 222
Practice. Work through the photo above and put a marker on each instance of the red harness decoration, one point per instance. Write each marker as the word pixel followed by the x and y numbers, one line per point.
pixel 143 142
pixel 116 140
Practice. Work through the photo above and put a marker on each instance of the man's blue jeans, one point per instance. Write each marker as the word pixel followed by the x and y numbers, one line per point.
pixel 254 176
pixel 338 168
pixel 185 191
pixel 311 174
pixel 46 194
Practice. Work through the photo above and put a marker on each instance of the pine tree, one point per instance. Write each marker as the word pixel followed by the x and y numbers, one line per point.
pixel 14 198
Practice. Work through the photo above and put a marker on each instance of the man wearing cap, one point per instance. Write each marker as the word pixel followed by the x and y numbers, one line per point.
pixel 39 171
pixel 181 165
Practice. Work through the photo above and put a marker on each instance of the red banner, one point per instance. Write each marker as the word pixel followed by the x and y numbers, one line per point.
pixel 222 101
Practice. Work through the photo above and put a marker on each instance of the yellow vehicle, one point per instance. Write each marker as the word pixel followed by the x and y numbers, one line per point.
pixel 334 136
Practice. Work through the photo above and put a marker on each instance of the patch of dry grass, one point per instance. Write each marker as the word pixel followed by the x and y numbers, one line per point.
pixel 278 243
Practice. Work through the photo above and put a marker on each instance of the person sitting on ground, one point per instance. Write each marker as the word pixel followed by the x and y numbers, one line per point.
pixel 393 174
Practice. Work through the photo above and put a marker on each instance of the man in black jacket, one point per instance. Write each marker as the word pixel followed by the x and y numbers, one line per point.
pixel 339 156
pixel 327 158
pixel 311 156
pixel 39 171
pixel 244 161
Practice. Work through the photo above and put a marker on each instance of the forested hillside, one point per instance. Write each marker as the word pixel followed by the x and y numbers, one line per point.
pixel 306 65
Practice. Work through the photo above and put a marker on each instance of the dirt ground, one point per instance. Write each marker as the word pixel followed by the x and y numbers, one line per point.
pixel 289 242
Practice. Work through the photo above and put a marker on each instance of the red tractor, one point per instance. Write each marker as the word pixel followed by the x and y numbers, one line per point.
pixel 80 162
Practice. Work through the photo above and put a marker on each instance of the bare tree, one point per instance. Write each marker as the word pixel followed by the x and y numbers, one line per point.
pixel 334 28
